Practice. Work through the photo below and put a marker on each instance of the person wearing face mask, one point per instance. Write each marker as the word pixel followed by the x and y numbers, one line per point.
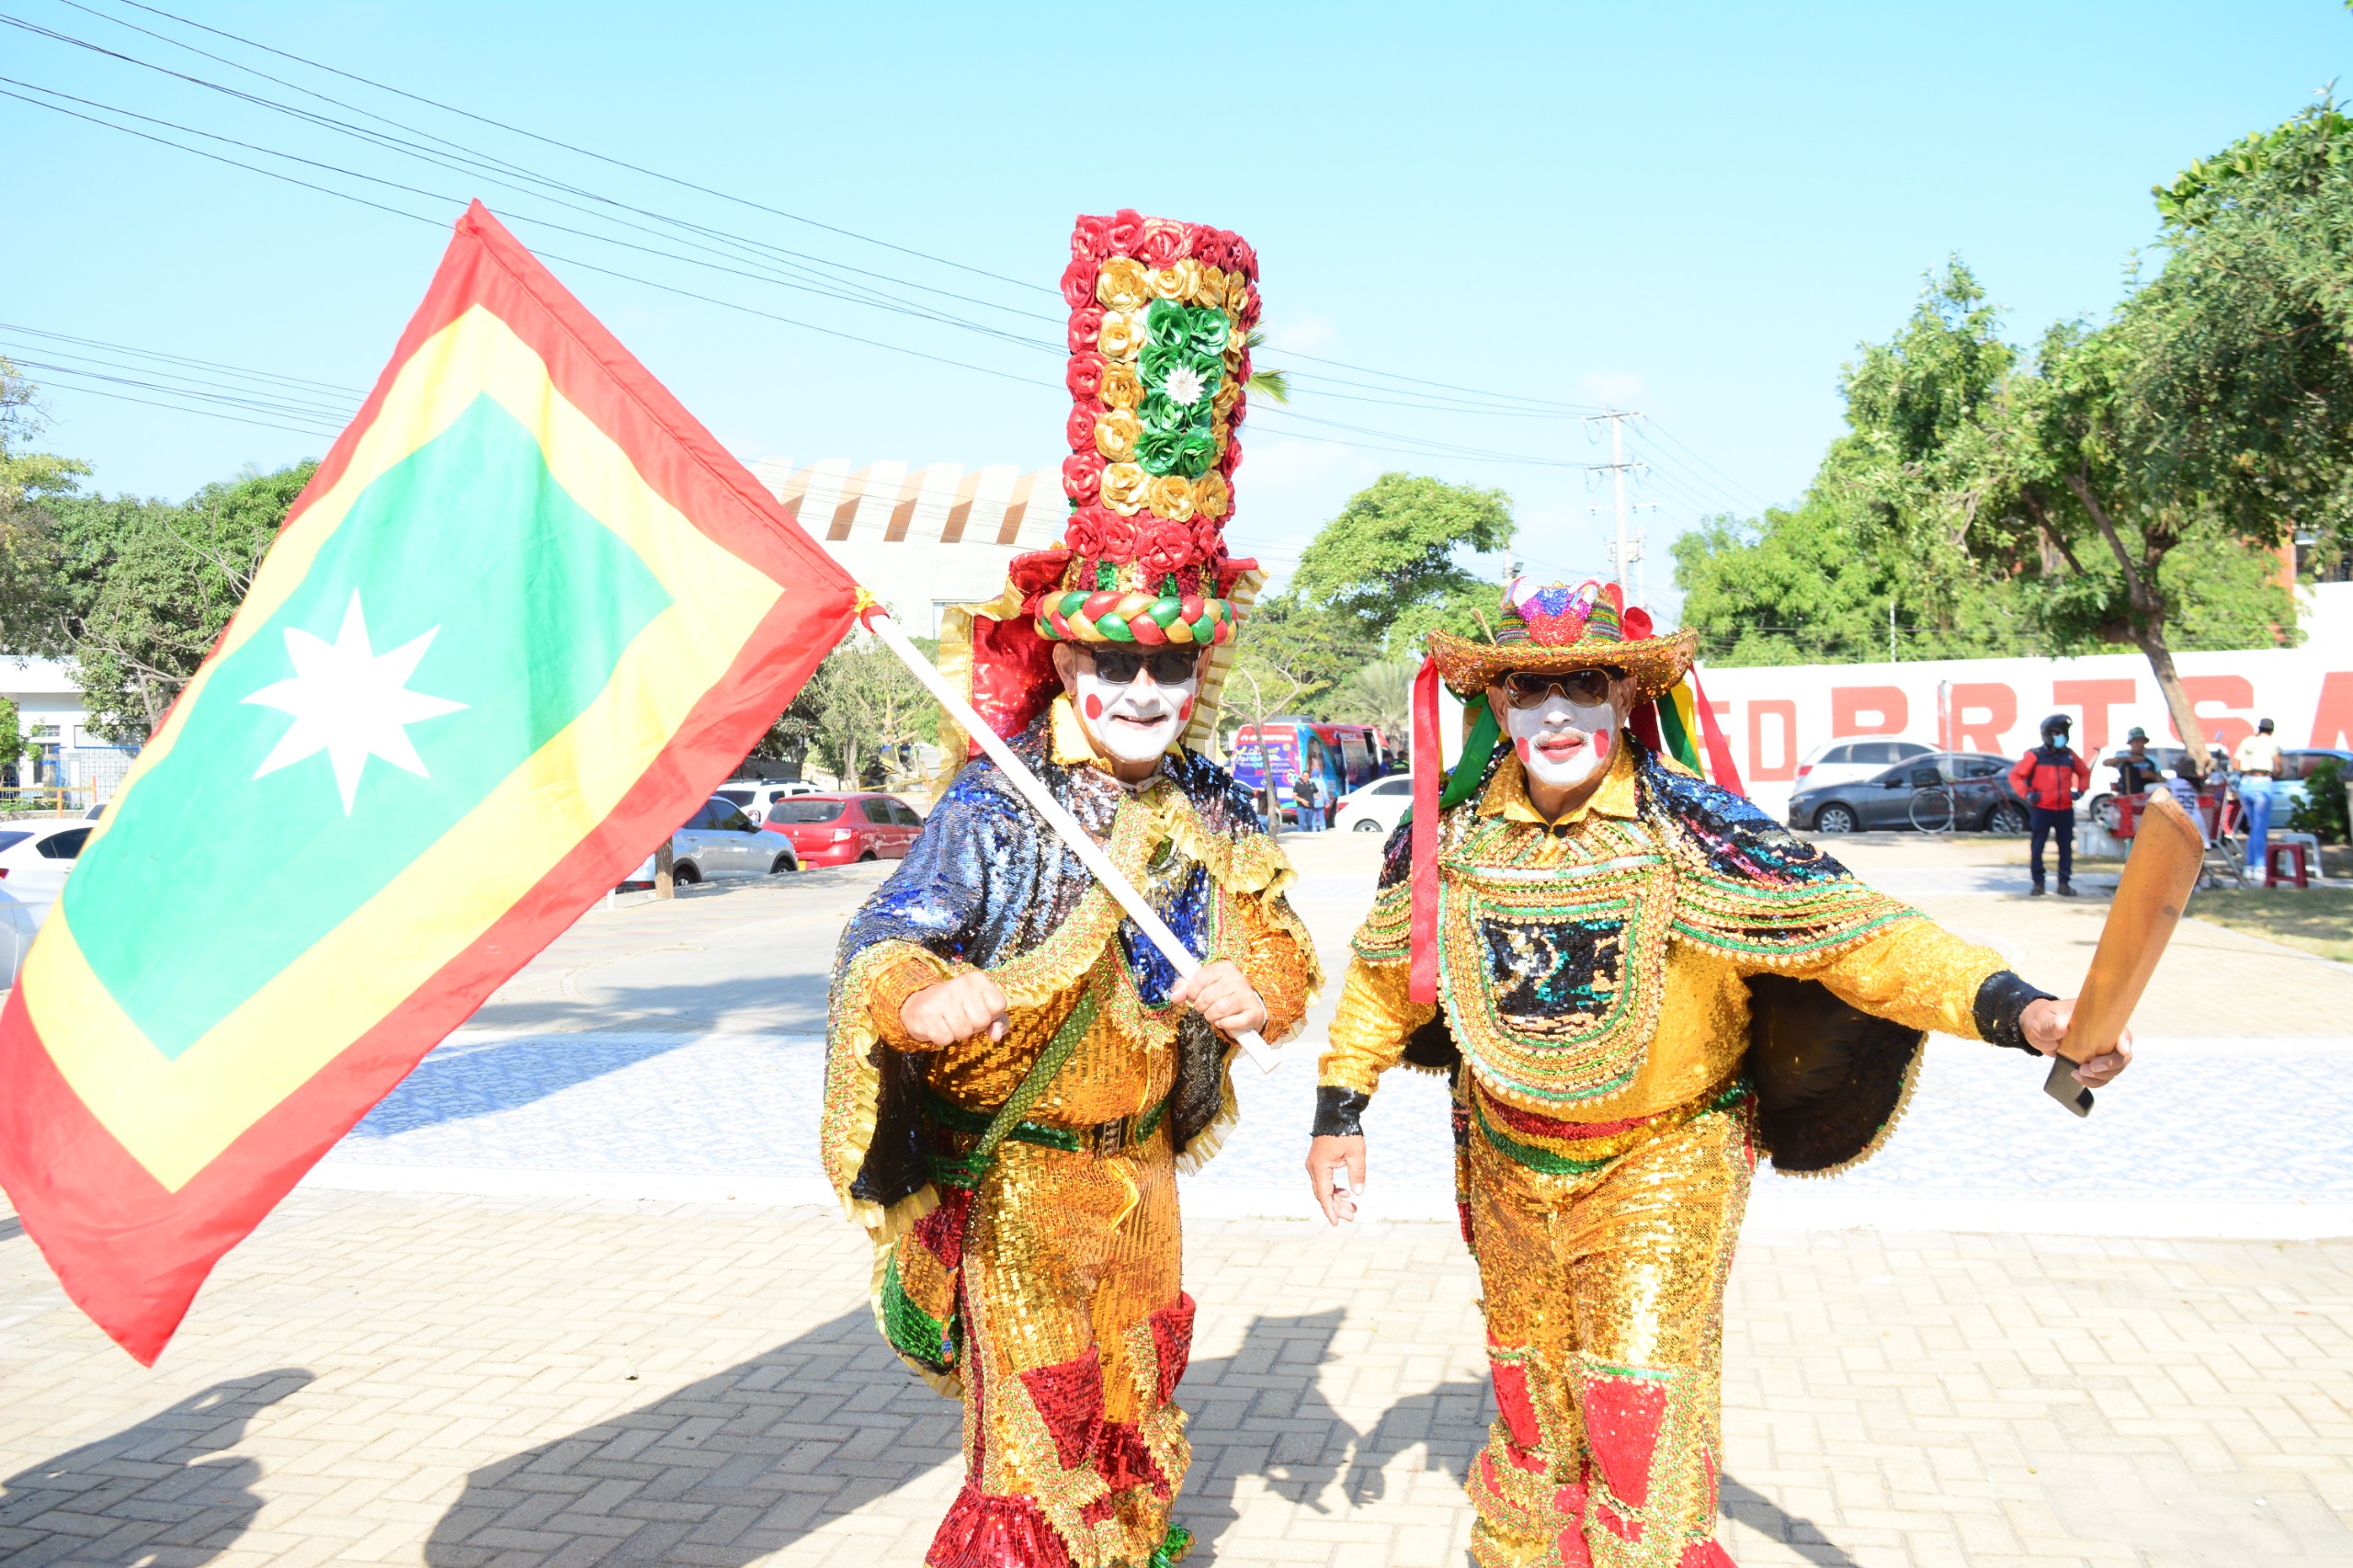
pixel 1638 981
pixel 1015 1075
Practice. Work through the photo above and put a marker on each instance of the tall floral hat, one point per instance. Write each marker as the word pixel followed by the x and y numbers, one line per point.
pixel 1160 316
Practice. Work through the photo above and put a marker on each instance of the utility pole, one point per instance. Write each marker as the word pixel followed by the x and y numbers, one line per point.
pixel 1624 555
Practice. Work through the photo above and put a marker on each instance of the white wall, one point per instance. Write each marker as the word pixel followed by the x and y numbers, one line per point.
pixel 1776 716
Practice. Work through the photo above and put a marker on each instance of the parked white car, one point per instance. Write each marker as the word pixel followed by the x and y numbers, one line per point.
pixel 19 921
pixel 754 800
pixel 720 843
pixel 36 856
pixel 1374 807
pixel 1852 761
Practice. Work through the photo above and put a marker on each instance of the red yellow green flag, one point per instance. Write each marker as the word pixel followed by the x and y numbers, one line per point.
pixel 526 617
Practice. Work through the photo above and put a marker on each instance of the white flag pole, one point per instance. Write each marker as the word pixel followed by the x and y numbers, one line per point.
pixel 1078 839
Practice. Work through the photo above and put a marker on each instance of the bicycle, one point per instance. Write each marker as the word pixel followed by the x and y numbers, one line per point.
pixel 1933 808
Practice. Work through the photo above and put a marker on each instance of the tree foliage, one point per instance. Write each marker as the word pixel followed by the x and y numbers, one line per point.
pixel 862 707
pixel 137 592
pixel 2128 481
pixel 1390 568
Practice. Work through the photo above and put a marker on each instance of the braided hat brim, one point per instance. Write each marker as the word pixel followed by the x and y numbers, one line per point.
pixel 1469 666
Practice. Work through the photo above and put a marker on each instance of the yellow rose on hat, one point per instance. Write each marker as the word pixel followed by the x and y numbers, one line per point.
pixel 1124 486
pixel 1122 285
pixel 1171 496
pixel 1122 388
pixel 1211 290
pixel 1115 434
pixel 1121 335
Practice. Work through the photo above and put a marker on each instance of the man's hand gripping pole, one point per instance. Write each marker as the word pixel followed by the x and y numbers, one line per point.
pixel 1075 838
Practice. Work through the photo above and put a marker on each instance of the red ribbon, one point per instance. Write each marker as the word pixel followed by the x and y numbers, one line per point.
pixel 1720 763
pixel 1429 778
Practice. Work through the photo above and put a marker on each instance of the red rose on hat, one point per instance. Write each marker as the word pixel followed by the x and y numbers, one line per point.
pixel 1244 258
pixel 1084 375
pixel 1081 428
pixel 1082 476
pixel 1078 283
pixel 1124 230
pixel 1637 625
pixel 1116 537
pixel 1085 325
pixel 1084 533
pixel 1232 459
pixel 1209 536
pixel 1250 307
pixel 1164 242
pixel 1091 239
pixel 1165 547
pixel 1240 400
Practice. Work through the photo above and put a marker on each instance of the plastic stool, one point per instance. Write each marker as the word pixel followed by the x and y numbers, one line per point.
pixel 2293 848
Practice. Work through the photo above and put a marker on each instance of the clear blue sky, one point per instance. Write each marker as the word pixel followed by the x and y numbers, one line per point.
pixel 1694 211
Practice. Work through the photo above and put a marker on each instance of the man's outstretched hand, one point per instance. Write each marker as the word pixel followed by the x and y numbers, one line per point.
pixel 2044 1024
pixel 1335 1172
pixel 955 1009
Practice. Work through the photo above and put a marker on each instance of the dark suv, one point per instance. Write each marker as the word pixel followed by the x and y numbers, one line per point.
pixel 1981 797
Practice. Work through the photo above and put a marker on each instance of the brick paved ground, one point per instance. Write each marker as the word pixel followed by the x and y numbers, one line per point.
pixel 462 1383
pixel 468 1379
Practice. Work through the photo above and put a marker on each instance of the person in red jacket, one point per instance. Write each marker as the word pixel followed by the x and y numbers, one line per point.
pixel 2052 776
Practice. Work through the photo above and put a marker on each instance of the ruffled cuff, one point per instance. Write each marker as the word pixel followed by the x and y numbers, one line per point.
pixel 2000 1002
pixel 1339 1112
pixel 917 972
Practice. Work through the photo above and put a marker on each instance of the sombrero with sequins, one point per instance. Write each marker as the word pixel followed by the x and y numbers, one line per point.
pixel 1554 627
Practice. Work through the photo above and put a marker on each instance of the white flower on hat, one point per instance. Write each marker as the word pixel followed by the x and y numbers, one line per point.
pixel 1183 386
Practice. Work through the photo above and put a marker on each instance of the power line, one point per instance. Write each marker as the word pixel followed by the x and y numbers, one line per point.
pixel 178 359
pixel 587 153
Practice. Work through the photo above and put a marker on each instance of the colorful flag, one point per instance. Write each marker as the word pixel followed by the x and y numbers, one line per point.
pixel 525 618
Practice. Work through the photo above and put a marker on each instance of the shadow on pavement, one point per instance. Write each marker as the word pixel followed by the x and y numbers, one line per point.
pixel 745 1462
pixel 10 1228
pixel 1449 1424
pixel 1260 1411
pixel 1768 1518
pixel 470 1079
pixel 165 1500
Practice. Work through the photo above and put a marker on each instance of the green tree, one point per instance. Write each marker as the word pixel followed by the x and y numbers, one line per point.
pixel 864 706
pixel 29 481
pixel 1380 694
pixel 138 592
pixel 1291 654
pixel 12 740
pixel 1389 567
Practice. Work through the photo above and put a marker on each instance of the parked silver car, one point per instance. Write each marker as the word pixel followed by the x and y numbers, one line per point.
pixel 719 843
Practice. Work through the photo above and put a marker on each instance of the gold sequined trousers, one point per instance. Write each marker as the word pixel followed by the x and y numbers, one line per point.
pixel 1078 1332
pixel 1605 1290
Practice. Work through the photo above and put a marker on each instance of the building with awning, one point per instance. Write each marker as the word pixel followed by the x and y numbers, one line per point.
pixel 921 539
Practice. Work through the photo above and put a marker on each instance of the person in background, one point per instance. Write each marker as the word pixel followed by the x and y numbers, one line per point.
pixel 2138 773
pixel 2184 789
pixel 2258 764
pixel 1303 791
pixel 2051 776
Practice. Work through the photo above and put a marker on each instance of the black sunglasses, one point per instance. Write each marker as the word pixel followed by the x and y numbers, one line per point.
pixel 1527 688
pixel 1169 667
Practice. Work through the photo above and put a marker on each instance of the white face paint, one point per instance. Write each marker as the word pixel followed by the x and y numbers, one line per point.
pixel 1136 723
pixel 1560 743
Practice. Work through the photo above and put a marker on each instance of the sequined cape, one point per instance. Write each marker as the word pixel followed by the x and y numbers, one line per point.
pixel 1670 939
pixel 987 886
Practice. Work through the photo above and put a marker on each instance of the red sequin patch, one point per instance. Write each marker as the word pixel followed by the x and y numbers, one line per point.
pixel 1172 1341
pixel 1069 1397
pixel 1622 1416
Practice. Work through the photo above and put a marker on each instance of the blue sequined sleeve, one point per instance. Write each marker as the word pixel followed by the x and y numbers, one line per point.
pixel 940 896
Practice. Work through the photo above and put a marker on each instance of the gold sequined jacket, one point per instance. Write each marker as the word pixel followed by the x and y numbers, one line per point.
pixel 987 887
pixel 1604 968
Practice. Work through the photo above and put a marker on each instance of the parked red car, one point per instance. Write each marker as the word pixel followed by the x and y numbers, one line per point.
pixel 834 829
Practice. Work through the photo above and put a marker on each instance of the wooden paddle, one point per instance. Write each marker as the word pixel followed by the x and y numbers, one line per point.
pixel 2159 873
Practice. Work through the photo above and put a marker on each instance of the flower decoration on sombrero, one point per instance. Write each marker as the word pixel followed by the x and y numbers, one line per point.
pixel 1556 627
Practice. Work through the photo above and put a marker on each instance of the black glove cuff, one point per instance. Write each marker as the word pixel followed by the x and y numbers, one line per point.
pixel 1999 1002
pixel 1339 1113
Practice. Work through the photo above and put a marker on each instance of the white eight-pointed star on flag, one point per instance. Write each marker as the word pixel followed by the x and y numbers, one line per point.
pixel 350 702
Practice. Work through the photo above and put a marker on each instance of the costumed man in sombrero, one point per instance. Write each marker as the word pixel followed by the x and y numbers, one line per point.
pixel 1639 982
pixel 1013 1075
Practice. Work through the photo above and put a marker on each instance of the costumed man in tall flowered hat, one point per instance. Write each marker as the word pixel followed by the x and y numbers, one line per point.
pixel 1639 982
pixel 1014 1073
